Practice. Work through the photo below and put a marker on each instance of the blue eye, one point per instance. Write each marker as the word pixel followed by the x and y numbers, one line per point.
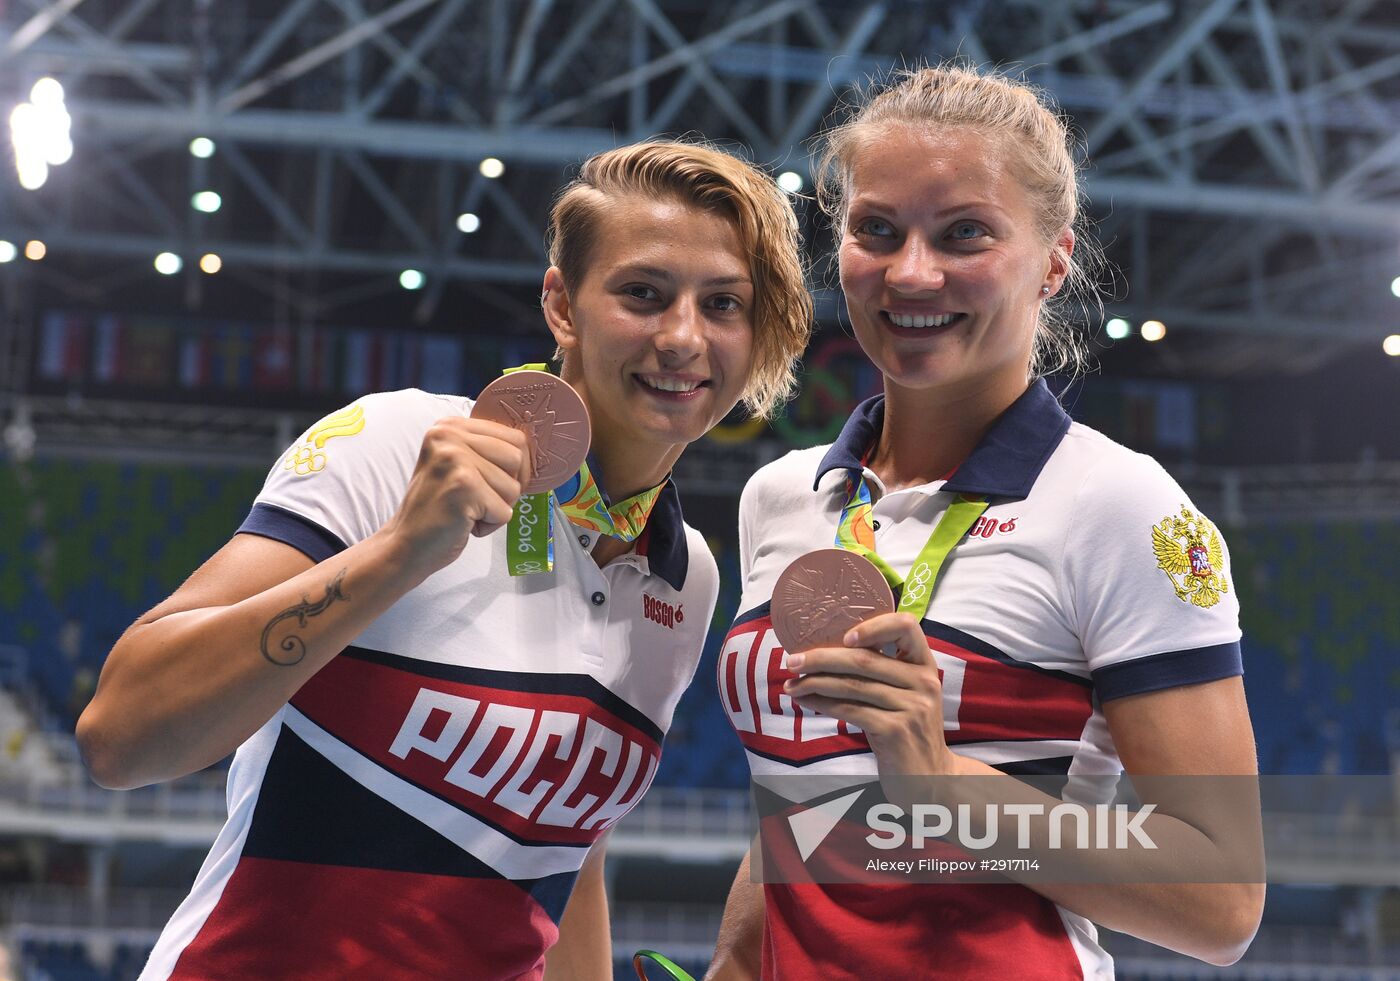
pixel 966 230
pixel 873 226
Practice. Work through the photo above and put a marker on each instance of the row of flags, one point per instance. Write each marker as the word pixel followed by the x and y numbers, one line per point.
pixel 197 356
pixel 168 356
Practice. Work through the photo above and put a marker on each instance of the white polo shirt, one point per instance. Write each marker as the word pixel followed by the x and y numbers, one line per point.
pixel 421 807
pixel 1089 577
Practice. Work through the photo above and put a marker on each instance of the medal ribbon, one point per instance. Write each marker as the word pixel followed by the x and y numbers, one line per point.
pixel 530 532
pixel 672 969
pixel 584 505
pixel 856 532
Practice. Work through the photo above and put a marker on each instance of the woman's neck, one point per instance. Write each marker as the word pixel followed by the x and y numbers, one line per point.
pixel 926 435
pixel 629 470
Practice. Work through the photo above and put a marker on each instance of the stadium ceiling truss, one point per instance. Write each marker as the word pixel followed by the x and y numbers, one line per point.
pixel 1244 152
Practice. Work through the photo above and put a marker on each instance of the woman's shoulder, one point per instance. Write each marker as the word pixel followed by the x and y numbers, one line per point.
pixel 414 403
pixel 1109 480
pixel 789 478
pixel 397 414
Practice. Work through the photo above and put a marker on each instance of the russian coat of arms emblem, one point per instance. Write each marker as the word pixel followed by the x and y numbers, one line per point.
pixel 1190 552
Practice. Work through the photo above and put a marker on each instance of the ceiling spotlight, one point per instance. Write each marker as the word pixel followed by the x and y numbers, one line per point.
pixel 210 263
pixel 207 201
pixel 7 251
pixel 411 279
pixel 790 181
pixel 47 93
pixel 33 171
pixel 168 263
pixel 35 250
pixel 1391 345
pixel 202 147
pixel 492 168
pixel 468 222
pixel 1118 328
pixel 1153 330
pixel 41 133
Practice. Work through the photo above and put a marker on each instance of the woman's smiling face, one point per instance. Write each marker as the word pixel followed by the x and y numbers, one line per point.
pixel 659 333
pixel 942 263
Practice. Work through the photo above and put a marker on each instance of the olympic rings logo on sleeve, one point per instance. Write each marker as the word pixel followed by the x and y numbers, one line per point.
pixel 307 458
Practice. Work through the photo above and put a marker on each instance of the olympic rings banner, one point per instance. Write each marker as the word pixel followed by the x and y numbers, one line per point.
pixel 834 376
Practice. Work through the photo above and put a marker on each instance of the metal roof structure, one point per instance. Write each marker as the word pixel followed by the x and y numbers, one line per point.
pixel 1243 151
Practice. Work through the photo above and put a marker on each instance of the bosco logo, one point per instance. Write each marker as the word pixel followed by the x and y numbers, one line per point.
pixel 987 527
pixel 659 611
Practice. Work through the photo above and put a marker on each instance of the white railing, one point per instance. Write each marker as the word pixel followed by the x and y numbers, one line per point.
pixel 65 906
pixel 196 797
pixel 698 824
pixel 1278 953
pixel 690 811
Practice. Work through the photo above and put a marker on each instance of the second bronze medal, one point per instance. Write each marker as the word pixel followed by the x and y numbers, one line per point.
pixel 823 594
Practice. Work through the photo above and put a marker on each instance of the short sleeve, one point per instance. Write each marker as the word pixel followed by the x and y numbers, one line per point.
pixel 1147 581
pixel 345 476
pixel 747 504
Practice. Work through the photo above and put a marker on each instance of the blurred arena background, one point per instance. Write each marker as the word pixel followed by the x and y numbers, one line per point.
pixel 229 218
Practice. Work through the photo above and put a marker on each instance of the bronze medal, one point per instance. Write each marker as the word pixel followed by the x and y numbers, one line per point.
pixel 825 593
pixel 549 413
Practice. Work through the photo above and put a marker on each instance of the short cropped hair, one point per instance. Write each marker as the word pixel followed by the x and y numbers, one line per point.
pixel 715 181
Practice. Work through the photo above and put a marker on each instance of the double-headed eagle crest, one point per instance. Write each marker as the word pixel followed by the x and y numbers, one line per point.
pixel 1190 552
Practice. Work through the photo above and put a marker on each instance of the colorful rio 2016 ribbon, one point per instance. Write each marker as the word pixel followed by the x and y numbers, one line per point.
pixel 856 533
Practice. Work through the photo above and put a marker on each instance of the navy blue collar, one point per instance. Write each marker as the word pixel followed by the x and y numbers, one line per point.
pixel 1004 464
pixel 668 555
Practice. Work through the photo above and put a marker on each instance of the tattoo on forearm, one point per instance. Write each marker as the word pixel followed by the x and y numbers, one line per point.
pixel 291 649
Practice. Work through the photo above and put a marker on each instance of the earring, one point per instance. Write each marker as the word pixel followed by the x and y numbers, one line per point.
pixel 543 297
pixel 1045 290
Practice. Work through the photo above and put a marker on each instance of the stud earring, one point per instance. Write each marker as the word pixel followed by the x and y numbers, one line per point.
pixel 1045 290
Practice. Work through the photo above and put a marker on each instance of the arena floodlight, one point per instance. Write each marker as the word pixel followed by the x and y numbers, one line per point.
pixel 790 181
pixel 1117 328
pixel 210 263
pixel 7 251
pixel 34 250
pixel 1153 330
pixel 468 222
pixel 411 279
pixel 168 263
pixel 491 168
pixel 47 93
pixel 1395 286
pixel 206 201
pixel 41 133
pixel 202 147
pixel 1391 345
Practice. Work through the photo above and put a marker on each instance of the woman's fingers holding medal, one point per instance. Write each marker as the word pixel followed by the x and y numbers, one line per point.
pixel 897 700
pixel 896 635
pixel 467 478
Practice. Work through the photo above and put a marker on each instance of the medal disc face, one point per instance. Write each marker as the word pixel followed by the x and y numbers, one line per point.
pixel 825 593
pixel 549 413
